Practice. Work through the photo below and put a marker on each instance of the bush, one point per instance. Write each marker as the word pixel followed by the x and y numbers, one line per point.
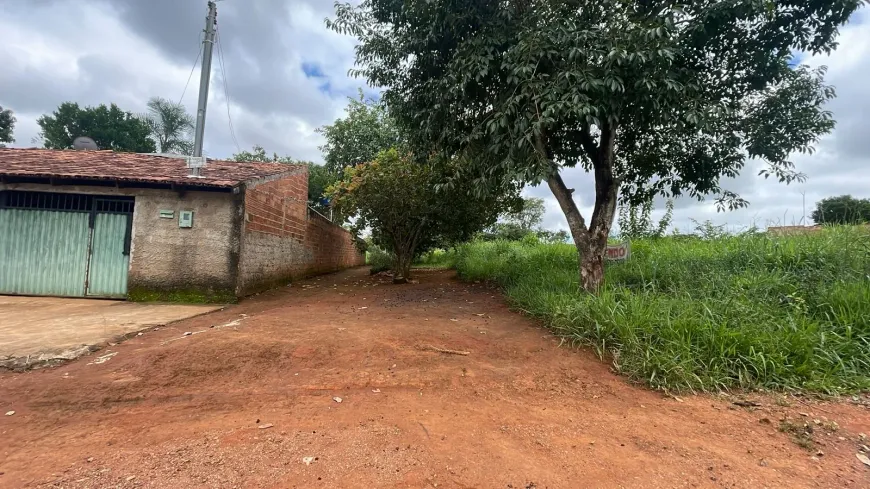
pixel 436 259
pixel 741 311
pixel 379 259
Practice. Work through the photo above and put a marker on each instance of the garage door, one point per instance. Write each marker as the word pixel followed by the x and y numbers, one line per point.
pixel 58 244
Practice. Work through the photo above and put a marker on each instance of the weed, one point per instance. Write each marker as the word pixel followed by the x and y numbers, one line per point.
pixel 749 311
pixel 800 434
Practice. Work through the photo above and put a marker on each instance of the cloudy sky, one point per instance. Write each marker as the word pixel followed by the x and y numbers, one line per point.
pixel 286 75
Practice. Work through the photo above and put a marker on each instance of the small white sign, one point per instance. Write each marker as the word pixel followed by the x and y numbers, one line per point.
pixel 618 252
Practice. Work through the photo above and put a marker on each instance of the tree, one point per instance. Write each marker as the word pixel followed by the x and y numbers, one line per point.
pixel 514 224
pixel 394 196
pixel 170 126
pixel 258 154
pixel 529 215
pixel 7 124
pixel 553 237
pixel 635 221
pixel 652 97
pixel 366 130
pixel 110 127
pixel 319 178
pixel 844 209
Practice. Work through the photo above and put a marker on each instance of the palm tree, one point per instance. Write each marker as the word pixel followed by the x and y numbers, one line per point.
pixel 170 126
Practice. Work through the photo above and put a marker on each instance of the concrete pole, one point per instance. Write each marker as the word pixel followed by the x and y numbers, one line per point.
pixel 207 47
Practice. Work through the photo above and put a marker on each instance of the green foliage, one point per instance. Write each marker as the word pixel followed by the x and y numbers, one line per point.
pixel 170 125
pixel 437 258
pixel 366 130
pixel 552 237
pixel 395 197
pixel 844 209
pixel 652 97
pixel 528 216
pixel 110 127
pixel 522 220
pixel 258 154
pixel 7 124
pixel 379 259
pixel 517 222
pixel 635 221
pixel 747 311
pixel 682 91
pixel 319 178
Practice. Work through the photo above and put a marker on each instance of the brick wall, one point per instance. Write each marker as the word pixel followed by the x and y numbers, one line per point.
pixel 282 240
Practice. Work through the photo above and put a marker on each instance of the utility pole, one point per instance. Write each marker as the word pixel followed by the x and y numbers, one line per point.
pixel 207 47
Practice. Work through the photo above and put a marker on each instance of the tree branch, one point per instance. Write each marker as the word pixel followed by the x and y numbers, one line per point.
pixel 566 202
pixel 606 186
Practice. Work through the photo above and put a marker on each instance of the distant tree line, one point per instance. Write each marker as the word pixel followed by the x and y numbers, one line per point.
pixel 7 124
pixel 843 209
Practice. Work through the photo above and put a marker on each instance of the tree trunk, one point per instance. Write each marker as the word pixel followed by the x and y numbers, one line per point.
pixel 408 263
pixel 404 260
pixel 591 241
pixel 590 252
pixel 401 267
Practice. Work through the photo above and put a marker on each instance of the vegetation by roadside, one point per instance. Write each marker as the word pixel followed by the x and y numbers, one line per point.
pixel 748 311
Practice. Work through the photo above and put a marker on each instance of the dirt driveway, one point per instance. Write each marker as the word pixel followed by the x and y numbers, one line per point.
pixel 36 330
pixel 251 400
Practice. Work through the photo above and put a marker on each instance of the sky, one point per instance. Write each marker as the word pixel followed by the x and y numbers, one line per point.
pixel 285 74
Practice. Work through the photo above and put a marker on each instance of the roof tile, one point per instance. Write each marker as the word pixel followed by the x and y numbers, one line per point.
pixel 130 167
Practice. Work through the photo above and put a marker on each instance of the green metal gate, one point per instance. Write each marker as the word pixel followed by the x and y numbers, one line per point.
pixel 64 244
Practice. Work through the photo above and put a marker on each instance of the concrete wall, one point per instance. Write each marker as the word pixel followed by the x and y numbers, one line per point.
pixel 203 258
pixel 165 257
pixel 283 240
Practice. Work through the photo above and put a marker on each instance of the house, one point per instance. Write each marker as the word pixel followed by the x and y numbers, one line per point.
pixel 105 224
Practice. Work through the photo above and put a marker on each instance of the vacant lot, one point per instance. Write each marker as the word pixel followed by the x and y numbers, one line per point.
pixel 685 313
pixel 249 396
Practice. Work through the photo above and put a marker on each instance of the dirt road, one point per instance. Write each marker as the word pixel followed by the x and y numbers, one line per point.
pixel 251 400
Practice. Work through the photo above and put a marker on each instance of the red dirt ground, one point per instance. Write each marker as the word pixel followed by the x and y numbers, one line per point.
pixel 517 412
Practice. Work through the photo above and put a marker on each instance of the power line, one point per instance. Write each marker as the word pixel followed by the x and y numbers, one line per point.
pixel 192 68
pixel 226 89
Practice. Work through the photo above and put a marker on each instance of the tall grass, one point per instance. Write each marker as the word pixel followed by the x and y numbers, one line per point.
pixel 437 258
pixel 748 311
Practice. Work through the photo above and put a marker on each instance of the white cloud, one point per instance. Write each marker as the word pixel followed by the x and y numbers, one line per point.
pixel 125 51
pixel 840 165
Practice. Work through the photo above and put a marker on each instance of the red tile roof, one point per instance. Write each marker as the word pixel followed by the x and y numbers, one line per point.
pixel 130 167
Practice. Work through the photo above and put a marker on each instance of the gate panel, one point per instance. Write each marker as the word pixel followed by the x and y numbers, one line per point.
pixel 110 256
pixel 43 252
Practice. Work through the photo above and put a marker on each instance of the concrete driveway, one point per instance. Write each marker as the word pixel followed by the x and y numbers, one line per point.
pixel 40 330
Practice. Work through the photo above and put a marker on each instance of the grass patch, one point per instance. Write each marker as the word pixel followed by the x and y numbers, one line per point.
pixel 749 311
pixel 437 259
